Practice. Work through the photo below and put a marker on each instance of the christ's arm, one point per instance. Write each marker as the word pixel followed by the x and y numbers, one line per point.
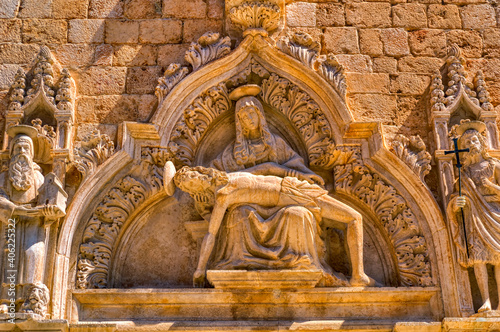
pixel 209 241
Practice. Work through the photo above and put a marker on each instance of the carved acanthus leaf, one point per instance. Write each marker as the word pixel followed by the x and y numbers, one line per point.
pixel 304 113
pixel 382 199
pixel 173 75
pixel 256 15
pixel 412 152
pixel 94 150
pixel 209 47
pixel 302 47
pixel 197 117
pixel 116 207
pixel 46 141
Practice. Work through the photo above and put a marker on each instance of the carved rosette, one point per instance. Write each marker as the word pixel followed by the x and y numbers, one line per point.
pixel 94 150
pixel 382 199
pixel 256 15
pixel 99 237
pixel 302 47
pixel 412 152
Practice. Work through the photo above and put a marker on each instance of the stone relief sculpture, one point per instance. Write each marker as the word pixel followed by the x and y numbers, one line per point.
pixel 275 229
pixel 33 203
pixel 480 202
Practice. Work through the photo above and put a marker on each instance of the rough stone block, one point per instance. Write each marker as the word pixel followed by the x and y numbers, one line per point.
pixel 103 55
pixel 215 8
pixel 8 8
pixel 443 17
pixel 116 109
pixel 194 29
pixel 44 31
pixel 122 32
pixel 10 31
pixel 491 38
pixel 409 15
pixel 147 103
pixel 395 42
pixel 470 42
pixel 142 9
pixel 370 42
pixel 490 68
pixel 367 83
pixel 134 55
pixel 69 9
pixel 411 117
pixel 478 16
pixel 373 107
pixel 18 53
pixel 330 14
pixel 422 65
pixel 185 9
pixel 160 31
pixel 168 54
pixel 301 14
pixel 106 9
pixel 75 55
pixel 7 74
pixel 385 65
pixel 409 84
pixel 341 40
pixel 85 109
pixel 102 81
pixel 142 79
pixel 368 14
pixel 86 31
pixel 355 63
pixel 428 42
pixel 35 9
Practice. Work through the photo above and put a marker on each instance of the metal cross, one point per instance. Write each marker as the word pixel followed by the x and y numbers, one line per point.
pixel 457 152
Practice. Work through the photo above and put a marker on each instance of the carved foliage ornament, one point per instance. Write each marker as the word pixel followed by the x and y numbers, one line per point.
pixel 100 234
pixel 209 47
pixel 256 15
pixel 361 184
pixel 413 153
pixel 94 150
pixel 302 47
pixel 277 92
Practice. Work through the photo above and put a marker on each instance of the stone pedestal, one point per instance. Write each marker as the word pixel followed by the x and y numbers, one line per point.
pixel 230 279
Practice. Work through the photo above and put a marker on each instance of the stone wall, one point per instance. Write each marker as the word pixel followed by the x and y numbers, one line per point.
pixel 116 50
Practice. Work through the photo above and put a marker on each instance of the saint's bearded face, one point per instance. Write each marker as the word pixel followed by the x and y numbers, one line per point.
pixel 21 173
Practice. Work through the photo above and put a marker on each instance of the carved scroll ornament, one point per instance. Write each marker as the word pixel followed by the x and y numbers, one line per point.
pixel 357 181
pixel 111 214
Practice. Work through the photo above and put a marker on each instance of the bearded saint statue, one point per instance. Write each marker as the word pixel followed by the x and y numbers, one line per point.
pixel 480 202
pixel 19 189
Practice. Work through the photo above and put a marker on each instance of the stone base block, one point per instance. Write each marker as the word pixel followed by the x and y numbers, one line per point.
pixel 345 303
pixel 263 279
pixel 471 324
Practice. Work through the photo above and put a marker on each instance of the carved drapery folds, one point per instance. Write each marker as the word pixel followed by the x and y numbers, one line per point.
pixel 302 47
pixel 413 153
pixel 209 47
pixel 360 183
pixel 94 150
pixel 119 204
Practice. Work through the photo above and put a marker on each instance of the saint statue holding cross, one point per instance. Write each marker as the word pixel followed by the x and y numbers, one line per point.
pixel 474 216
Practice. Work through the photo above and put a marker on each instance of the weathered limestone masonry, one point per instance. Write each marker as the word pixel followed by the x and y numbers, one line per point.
pixel 236 165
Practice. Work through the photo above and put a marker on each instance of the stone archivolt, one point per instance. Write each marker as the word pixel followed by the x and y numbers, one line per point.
pixel 363 185
pixel 114 210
